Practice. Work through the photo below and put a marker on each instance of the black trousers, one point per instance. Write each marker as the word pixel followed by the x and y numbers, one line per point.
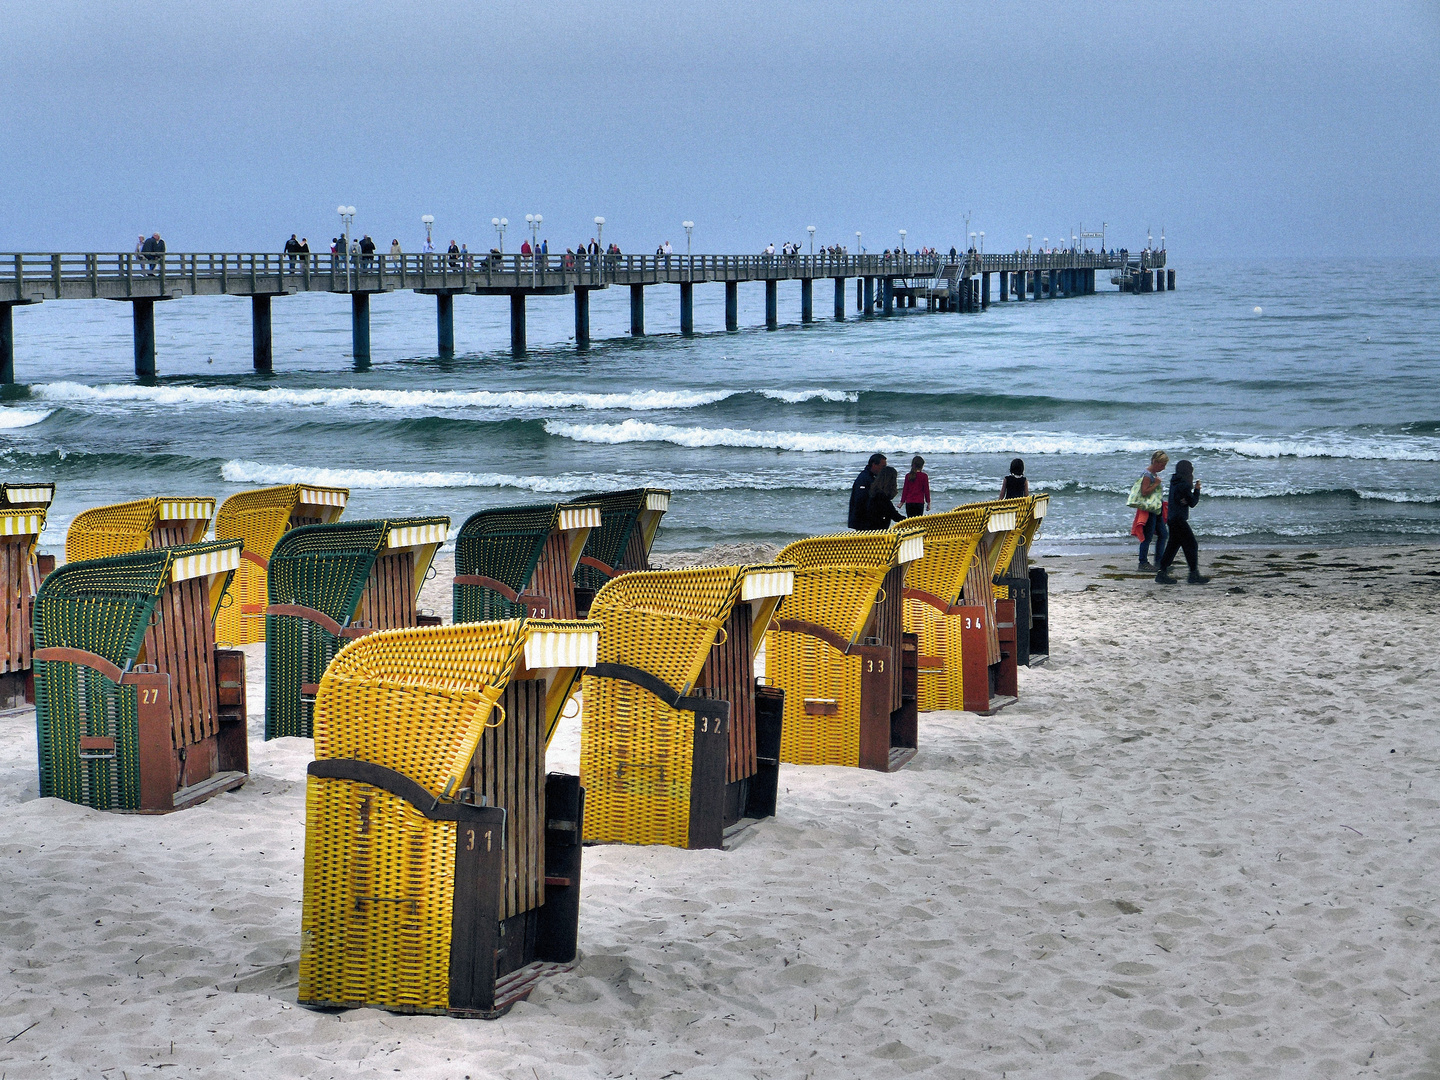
pixel 1181 537
pixel 914 509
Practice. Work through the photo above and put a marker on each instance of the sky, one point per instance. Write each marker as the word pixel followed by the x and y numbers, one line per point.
pixel 1266 129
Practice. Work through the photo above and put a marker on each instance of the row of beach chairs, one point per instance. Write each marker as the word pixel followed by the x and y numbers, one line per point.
pixel 442 858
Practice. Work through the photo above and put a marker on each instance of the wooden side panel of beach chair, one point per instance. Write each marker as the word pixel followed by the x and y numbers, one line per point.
pixel 392 589
pixel 516 561
pixel 19 581
pixel 180 521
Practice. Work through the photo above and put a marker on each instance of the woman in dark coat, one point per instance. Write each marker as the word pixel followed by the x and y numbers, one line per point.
pixel 882 499
pixel 1184 494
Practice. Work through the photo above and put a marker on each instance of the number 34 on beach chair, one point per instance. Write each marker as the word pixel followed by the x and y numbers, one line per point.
pixel 442 864
pixel 135 708
pixel 839 652
pixel 677 743
pixel 329 584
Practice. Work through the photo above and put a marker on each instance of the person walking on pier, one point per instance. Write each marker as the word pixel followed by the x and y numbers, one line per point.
pixel 395 247
pixel 367 251
pixel 859 517
pixel 152 249
pixel 916 495
pixel 1184 494
pixel 1148 497
pixel 292 248
pixel 454 252
pixel 304 252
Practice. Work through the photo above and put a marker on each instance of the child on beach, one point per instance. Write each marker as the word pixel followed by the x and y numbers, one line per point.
pixel 1015 486
pixel 916 495
pixel 1184 494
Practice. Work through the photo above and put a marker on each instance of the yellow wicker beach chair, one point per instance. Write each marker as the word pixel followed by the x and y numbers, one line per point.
pixel 621 545
pixel 135 707
pixel 442 865
pixel 950 605
pixel 328 584
pixel 512 561
pixel 677 744
pixel 838 650
pixel 121 528
pixel 19 582
pixel 1026 586
pixel 258 519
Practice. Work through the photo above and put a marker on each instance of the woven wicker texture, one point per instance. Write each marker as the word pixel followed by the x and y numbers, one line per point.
pixel 951 540
pixel 325 567
pixel 121 528
pixel 627 529
pixel 503 543
pixel 636 751
pixel 258 518
pixel 837 583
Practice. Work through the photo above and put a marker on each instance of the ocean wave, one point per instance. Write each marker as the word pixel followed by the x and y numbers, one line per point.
pixel 254 472
pixel 1333 445
pixel 641 431
pixel 10 419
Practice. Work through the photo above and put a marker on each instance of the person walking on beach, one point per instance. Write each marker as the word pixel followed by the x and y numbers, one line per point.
pixel 881 509
pixel 860 493
pixel 1015 486
pixel 1148 498
pixel 916 495
pixel 1184 494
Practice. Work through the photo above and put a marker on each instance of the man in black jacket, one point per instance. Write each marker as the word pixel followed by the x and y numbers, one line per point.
pixel 860 494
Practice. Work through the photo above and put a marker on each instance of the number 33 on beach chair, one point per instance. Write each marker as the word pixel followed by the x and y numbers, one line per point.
pixel 677 743
pixel 442 865
pixel 514 561
pixel 135 708
pixel 329 584
pixel 838 651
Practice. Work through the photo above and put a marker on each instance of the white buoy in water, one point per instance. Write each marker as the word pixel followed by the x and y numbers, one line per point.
pixel 1259 311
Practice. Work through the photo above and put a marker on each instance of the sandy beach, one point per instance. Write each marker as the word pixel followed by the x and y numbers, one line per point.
pixel 1204 843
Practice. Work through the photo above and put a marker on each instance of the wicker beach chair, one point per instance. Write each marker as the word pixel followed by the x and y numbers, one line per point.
pixel 1025 585
pixel 135 707
pixel 839 651
pixel 258 519
pixel 950 606
pixel 514 561
pixel 677 743
pixel 122 528
pixel 20 579
pixel 442 864
pixel 621 545
pixel 328 584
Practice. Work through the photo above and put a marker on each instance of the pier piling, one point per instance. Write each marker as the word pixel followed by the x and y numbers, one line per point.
pixel 143 313
pixel 582 318
pixel 839 299
pixel 687 308
pixel 517 324
pixel 984 291
pixel 772 317
pixel 260 331
pixel 445 323
pixel 359 326
pixel 637 310
pixel 7 343
pixel 807 300
pixel 887 296
pixel 732 305
pixel 1169 279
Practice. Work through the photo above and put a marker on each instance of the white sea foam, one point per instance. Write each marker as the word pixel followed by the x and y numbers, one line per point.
pixel 1399 496
pixel 1330 445
pixel 10 419
pixel 255 472
pixel 633 431
pixel 353 397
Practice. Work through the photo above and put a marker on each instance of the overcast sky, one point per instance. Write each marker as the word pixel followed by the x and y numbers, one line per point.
pixel 1269 128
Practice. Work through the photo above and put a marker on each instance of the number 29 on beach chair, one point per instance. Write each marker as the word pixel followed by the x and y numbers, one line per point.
pixel 628 523
pixel 121 528
pixel 329 584
pixel 135 707
pixel 513 561
pixel 442 864
pixel 838 650
pixel 677 743
pixel 258 519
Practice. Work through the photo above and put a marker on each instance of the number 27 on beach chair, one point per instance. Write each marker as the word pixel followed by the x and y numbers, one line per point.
pixel 329 584
pixel 677 743
pixel 135 707
pixel 839 652
pixel 442 864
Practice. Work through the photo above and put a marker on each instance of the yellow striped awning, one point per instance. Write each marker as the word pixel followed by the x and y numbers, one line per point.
pixel 579 517
pixel 21 522
pixel 765 583
pixel 187 509
pixel 316 496
pixel 548 646
pixel 417 535
pixel 657 500
pixel 1042 504
pixel 1001 521
pixel 43 494
pixel 912 548
pixel 206 563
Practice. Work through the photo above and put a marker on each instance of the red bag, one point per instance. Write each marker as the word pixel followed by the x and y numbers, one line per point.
pixel 1137 529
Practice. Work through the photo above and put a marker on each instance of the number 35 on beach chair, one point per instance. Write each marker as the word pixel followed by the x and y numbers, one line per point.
pixel 621 545
pixel 514 561
pixel 839 653
pixel 135 708
pixel 329 584
pixel 121 528
pixel 442 864
pixel 677 743
pixel 258 519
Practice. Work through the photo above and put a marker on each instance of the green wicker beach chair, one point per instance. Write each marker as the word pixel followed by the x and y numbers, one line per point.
pixel 517 561
pixel 628 522
pixel 135 708
pixel 329 584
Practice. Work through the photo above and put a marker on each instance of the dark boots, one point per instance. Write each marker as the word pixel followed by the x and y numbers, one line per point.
pixel 1197 578
pixel 1164 577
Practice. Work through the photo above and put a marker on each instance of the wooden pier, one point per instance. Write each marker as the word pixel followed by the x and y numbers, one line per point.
pixel 883 283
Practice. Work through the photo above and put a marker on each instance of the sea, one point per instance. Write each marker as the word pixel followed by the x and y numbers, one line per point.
pixel 1306 393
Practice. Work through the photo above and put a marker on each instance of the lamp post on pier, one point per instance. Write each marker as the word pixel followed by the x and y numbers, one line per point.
pixel 902 241
pixel 600 234
pixel 811 230
pixel 500 223
pixel 347 218
pixel 428 220
pixel 534 221
pixel 689 227
pixel 982 241
pixel 1027 243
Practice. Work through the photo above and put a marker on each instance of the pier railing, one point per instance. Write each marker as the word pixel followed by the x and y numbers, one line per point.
pixel 27 277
